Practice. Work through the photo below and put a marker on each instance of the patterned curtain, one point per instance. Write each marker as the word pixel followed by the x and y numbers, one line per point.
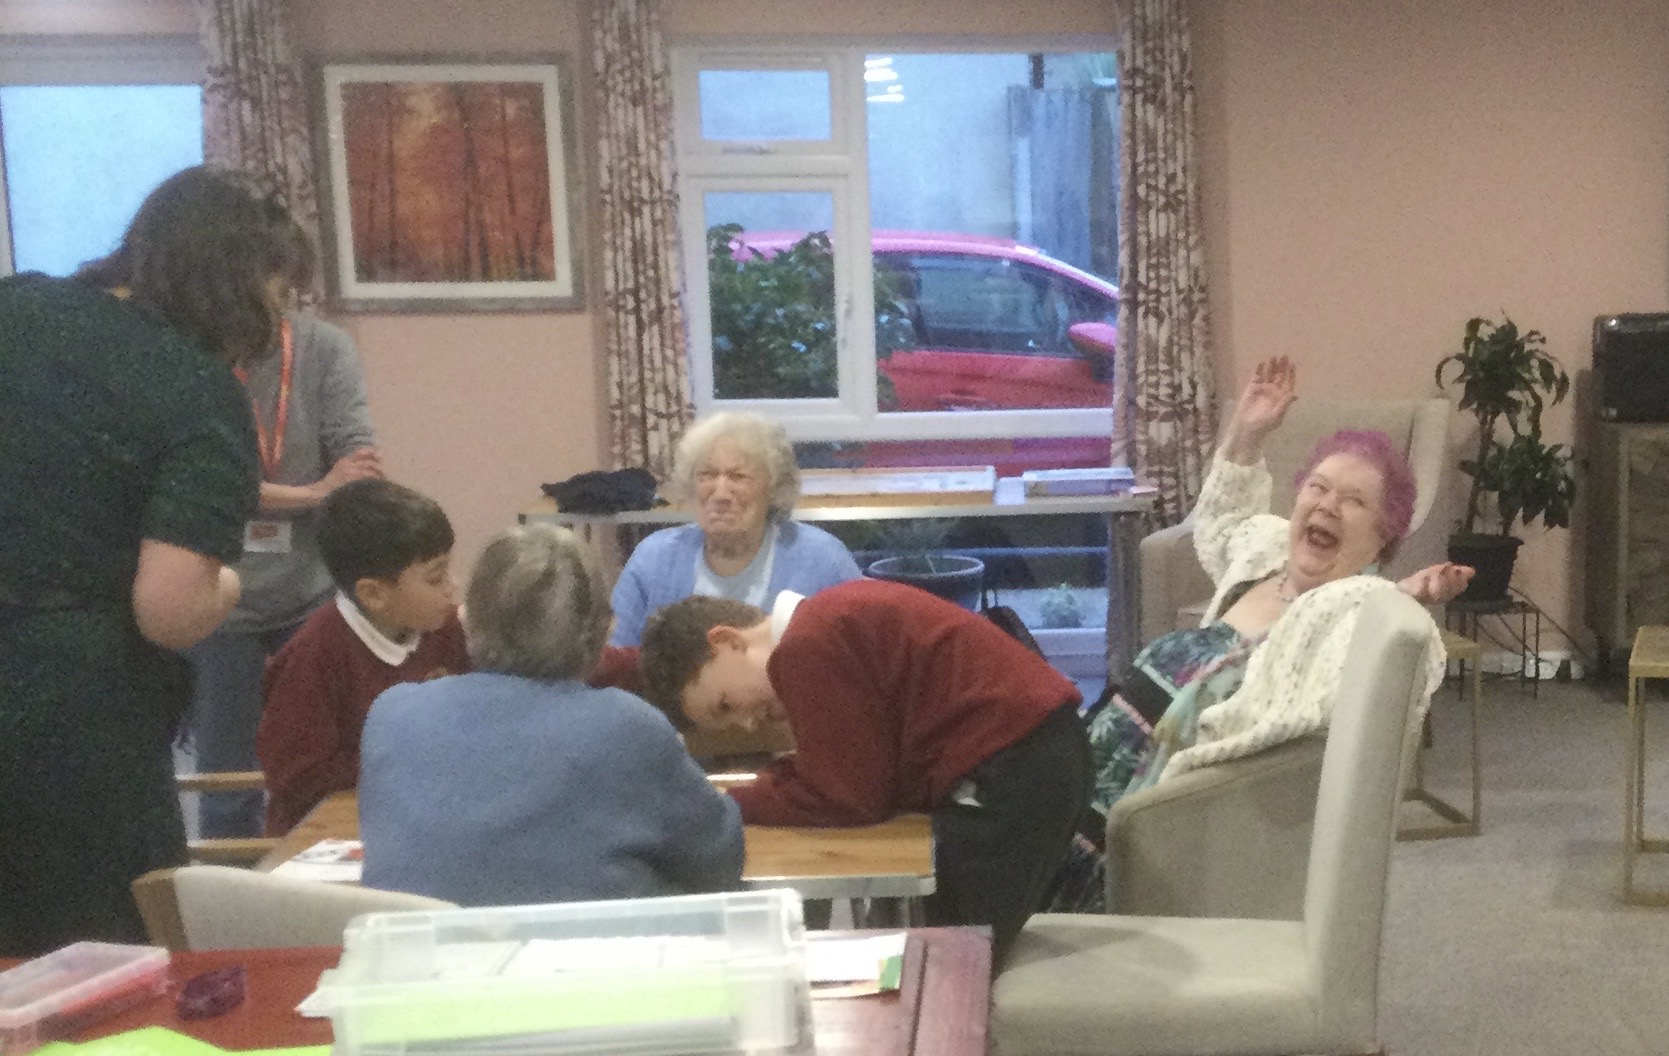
pixel 643 315
pixel 1168 403
pixel 254 114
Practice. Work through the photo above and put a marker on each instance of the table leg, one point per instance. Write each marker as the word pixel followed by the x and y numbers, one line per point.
pixel 1640 768
pixel 1631 752
pixel 1124 598
pixel 1477 754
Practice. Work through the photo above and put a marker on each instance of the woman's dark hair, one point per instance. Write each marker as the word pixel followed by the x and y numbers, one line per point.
pixel 199 253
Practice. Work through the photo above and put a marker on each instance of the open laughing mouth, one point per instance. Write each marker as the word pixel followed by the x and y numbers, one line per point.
pixel 1320 538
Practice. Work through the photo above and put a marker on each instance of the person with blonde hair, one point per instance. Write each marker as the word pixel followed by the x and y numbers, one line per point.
pixel 518 783
pixel 736 472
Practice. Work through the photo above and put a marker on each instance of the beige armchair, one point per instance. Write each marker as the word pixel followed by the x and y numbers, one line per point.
pixel 1231 840
pixel 1175 589
pixel 1103 985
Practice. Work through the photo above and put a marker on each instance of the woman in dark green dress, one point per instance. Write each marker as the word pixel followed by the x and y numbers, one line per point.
pixel 127 471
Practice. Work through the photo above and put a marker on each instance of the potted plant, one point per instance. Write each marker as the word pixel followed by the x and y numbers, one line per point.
pixel 1506 378
pixel 917 559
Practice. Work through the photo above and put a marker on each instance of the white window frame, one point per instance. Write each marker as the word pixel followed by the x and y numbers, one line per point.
pixel 841 162
pixel 78 60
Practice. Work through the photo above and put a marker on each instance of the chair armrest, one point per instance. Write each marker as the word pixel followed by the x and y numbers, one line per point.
pixel 1171 578
pixel 231 850
pixel 1230 840
pixel 221 781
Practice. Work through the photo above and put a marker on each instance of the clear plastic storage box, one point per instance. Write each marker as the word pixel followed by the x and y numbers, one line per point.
pixel 695 974
pixel 62 993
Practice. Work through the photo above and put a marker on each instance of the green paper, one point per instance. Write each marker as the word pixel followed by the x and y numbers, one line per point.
pixel 442 1013
pixel 892 972
pixel 146 1041
pixel 302 1050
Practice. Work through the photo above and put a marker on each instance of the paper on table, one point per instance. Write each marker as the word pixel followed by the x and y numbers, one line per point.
pixel 146 1041
pixel 333 861
pixel 846 967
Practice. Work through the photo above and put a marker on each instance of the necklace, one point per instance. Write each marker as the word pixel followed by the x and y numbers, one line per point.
pixel 1283 587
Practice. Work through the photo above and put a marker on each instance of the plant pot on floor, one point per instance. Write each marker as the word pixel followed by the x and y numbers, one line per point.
pixel 1493 556
pixel 953 577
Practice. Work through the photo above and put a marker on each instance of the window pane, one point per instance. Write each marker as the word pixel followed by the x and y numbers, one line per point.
pixel 983 276
pixel 770 271
pixel 80 159
pixel 765 104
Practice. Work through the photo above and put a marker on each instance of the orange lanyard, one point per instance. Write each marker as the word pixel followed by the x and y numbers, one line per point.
pixel 272 447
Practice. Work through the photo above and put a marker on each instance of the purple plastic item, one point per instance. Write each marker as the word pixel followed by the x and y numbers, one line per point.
pixel 211 993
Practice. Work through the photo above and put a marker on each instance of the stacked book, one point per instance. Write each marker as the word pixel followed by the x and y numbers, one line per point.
pixel 1102 480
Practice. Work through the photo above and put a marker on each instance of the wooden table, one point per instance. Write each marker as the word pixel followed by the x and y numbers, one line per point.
pixel 1456 822
pixel 1127 521
pixel 941 1008
pixel 890 860
pixel 1649 659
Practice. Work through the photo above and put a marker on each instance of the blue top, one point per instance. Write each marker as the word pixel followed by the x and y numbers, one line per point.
pixel 662 570
pixel 490 790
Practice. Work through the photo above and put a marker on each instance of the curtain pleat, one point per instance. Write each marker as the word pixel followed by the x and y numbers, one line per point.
pixel 254 107
pixel 642 310
pixel 1168 404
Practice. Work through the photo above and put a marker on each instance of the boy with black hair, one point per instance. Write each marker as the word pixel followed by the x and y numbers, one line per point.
pixel 898 701
pixel 394 620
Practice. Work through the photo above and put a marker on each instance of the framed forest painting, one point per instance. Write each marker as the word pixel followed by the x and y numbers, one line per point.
pixel 450 185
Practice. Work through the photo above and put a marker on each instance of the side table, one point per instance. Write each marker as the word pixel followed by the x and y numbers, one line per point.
pixel 1649 659
pixel 1465 652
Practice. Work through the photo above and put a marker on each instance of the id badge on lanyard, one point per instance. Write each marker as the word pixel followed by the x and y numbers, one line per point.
pixel 272 536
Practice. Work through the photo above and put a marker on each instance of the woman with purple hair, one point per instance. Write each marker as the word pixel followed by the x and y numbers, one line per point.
pixel 1262 667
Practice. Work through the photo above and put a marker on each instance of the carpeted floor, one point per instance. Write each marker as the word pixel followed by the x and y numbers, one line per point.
pixel 1514 942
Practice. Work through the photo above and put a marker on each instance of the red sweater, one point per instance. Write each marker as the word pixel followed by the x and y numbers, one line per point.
pixel 318 690
pixel 894 696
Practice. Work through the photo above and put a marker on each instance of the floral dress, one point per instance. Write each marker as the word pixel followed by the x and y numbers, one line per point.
pixel 1178 675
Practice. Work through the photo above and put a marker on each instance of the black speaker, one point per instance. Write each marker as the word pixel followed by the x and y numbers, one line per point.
pixel 1631 367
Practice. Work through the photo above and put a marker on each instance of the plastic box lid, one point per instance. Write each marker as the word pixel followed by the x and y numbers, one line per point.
pixel 646 977
pixel 63 992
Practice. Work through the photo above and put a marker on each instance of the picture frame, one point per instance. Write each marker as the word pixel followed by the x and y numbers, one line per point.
pixel 449 184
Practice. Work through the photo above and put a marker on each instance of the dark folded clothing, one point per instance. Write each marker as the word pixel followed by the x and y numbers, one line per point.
pixel 605 491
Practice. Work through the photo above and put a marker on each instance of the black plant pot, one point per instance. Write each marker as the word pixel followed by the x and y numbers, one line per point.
pixel 953 577
pixel 1493 556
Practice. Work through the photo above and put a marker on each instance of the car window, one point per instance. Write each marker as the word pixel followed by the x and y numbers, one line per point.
pixel 989 304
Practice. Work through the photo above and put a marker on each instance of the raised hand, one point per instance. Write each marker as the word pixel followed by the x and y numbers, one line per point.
pixel 1263 405
pixel 1437 584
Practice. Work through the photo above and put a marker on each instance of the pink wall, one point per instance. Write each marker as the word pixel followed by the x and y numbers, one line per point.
pixel 1376 173
pixel 476 409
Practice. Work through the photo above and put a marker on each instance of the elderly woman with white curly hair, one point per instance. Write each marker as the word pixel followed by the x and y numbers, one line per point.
pixel 519 783
pixel 737 473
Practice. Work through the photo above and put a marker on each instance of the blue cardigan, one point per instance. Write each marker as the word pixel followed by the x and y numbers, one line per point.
pixel 491 790
pixel 662 570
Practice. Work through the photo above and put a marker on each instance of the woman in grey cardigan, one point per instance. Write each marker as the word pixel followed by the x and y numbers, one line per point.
pixel 314 434
pixel 736 472
pixel 519 783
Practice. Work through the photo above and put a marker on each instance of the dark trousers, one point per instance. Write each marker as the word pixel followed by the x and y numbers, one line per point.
pixel 993 862
pixel 225 712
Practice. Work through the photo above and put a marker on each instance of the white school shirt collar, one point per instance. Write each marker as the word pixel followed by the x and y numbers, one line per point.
pixel 381 645
pixel 783 611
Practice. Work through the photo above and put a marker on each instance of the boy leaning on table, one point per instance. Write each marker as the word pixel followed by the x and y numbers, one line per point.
pixel 898 701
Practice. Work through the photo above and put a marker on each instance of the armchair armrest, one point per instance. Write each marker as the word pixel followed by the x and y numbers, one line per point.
pixel 1171 579
pixel 1231 840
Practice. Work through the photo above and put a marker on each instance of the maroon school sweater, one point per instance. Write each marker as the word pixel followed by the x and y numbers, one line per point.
pixel 318 690
pixel 894 696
